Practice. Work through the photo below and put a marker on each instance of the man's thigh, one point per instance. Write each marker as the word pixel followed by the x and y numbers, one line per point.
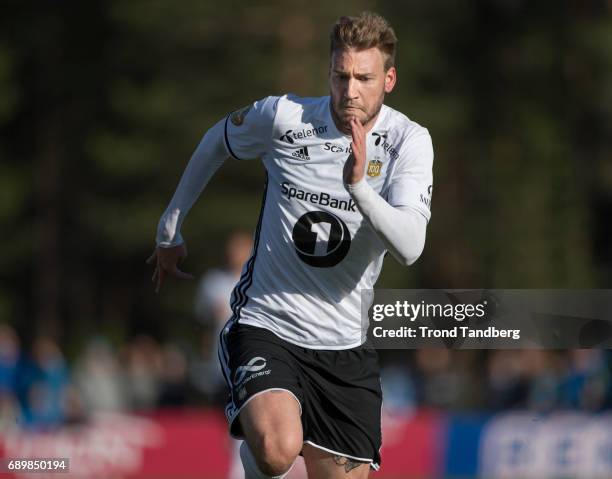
pixel 264 386
pixel 272 413
pixel 324 465
pixel 272 428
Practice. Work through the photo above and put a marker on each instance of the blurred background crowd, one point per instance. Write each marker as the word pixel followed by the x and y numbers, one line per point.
pixel 40 389
pixel 102 103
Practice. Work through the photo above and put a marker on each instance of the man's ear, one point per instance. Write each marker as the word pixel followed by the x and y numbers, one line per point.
pixel 390 79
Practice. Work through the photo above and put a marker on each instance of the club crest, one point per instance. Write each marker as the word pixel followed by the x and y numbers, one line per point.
pixel 237 117
pixel 374 167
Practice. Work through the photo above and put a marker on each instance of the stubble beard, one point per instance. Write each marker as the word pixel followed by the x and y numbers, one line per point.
pixel 345 126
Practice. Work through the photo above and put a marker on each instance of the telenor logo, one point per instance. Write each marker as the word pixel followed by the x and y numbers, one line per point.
pixel 379 137
pixel 287 137
pixel 381 140
pixel 290 135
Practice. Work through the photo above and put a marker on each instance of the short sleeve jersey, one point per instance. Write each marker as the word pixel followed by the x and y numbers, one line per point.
pixel 314 252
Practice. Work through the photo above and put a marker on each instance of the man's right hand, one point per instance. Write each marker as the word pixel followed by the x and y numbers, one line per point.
pixel 166 261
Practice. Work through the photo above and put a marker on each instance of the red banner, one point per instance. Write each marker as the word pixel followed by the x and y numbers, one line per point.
pixel 192 444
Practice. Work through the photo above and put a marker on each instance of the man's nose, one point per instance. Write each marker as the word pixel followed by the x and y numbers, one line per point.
pixel 351 88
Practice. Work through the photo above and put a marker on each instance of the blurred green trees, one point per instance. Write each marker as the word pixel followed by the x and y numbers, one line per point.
pixel 102 103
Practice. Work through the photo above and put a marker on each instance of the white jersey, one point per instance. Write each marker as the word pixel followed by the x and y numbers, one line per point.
pixel 313 250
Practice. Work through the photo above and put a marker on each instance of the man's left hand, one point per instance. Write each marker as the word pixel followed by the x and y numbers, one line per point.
pixel 354 168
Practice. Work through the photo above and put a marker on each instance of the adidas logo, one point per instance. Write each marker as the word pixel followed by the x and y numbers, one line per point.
pixel 301 154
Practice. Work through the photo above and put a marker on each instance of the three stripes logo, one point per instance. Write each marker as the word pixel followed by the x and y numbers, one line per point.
pixel 379 137
pixel 301 153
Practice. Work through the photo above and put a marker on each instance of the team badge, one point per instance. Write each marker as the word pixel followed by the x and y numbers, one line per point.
pixel 237 117
pixel 374 167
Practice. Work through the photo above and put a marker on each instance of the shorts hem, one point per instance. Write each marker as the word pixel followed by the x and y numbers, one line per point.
pixel 235 414
pixel 373 465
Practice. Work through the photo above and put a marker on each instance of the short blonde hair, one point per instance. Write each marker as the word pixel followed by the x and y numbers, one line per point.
pixel 368 30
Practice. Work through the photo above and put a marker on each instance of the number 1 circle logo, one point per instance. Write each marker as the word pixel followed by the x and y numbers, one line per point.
pixel 321 239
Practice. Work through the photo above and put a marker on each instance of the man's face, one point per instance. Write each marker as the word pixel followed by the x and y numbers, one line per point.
pixel 358 83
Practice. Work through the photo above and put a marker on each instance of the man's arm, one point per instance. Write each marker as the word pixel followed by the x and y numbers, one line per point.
pixel 244 134
pixel 205 161
pixel 400 228
pixel 171 249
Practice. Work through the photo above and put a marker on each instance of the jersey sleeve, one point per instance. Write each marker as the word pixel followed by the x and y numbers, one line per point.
pixel 248 131
pixel 412 181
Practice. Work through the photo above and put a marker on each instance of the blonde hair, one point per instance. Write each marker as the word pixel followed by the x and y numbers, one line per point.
pixel 368 30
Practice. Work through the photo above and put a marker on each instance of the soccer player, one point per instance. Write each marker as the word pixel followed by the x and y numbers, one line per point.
pixel 348 179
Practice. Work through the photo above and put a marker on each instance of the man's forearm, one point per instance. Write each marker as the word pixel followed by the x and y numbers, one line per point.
pixel 205 161
pixel 401 229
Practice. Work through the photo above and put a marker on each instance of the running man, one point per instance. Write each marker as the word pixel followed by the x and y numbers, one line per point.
pixel 347 179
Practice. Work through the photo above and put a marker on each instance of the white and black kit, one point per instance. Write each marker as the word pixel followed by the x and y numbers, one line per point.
pixel 296 310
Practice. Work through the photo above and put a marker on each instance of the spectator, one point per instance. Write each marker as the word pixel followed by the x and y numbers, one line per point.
pixel 174 388
pixel 587 378
pixel 98 377
pixel 9 358
pixel 439 383
pixel 506 382
pixel 542 372
pixel 44 380
pixel 212 304
pixel 212 309
pixel 10 412
pixel 143 363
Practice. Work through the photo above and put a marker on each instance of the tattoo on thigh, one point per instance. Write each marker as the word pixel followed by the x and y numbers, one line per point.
pixel 348 464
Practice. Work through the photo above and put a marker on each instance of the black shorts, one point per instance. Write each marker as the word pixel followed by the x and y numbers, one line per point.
pixel 338 390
